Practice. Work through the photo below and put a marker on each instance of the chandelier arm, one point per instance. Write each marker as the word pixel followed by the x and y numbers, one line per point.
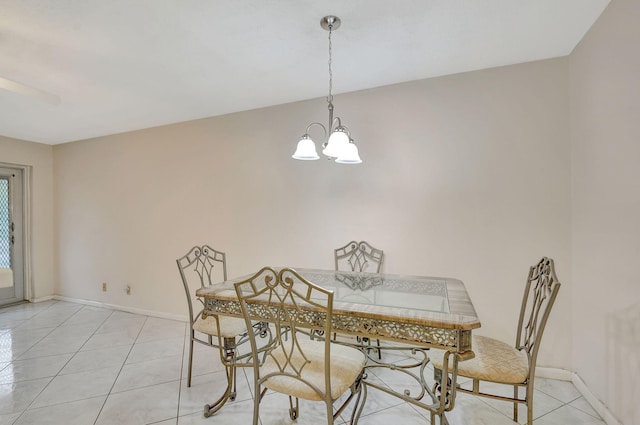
pixel 346 130
pixel 335 123
pixel 324 129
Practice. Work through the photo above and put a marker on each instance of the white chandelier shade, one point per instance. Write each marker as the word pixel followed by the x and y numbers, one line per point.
pixel 336 143
pixel 349 155
pixel 306 150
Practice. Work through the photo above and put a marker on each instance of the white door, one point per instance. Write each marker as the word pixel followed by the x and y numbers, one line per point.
pixel 11 236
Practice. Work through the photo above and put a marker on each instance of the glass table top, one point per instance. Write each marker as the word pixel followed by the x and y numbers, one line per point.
pixel 431 301
pixel 407 292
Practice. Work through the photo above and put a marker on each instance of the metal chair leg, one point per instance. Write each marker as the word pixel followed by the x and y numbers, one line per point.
pixel 231 370
pixel 515 405
pixel 190 360
pixel 210 409
pixel 294 411
pixel 530 404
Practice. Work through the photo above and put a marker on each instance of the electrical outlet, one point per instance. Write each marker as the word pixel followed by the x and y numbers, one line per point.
pixel 104 286
pixel 128 289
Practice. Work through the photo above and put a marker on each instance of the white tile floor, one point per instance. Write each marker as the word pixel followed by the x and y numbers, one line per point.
pixel 67 363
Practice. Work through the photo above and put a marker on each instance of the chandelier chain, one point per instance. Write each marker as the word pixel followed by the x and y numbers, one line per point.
pixel 330 97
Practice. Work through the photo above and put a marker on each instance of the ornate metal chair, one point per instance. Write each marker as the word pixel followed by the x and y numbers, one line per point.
pixel 498 362
pixel 359 257
pixel 199 268
pixel 291 363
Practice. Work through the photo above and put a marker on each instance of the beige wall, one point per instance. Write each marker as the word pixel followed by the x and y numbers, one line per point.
pixel 605 124
pixel 464 176
pixel 40 158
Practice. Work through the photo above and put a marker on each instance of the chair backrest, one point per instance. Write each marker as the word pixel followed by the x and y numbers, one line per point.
pixel 358 257
pixel 540 293
pixel 277 297
pixel 201 267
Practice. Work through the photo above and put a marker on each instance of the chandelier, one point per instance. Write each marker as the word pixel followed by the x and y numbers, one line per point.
pixel 338 145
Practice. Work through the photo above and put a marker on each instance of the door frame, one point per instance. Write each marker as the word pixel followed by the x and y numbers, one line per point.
pixel 26 231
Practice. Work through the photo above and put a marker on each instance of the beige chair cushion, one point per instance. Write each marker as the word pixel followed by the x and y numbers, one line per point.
pixel 346 365
pixel 229 326
pixel 495 361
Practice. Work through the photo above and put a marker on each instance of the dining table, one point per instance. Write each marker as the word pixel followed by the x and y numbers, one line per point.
pixel 415 314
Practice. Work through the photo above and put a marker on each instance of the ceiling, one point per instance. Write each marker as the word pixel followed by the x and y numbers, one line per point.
pixel 121 65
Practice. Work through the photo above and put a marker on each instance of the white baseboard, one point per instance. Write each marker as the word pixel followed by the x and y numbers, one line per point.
pixel 554 373
pixel 151 313
pixel 41 299
pixel 566 375
pixel 597 405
